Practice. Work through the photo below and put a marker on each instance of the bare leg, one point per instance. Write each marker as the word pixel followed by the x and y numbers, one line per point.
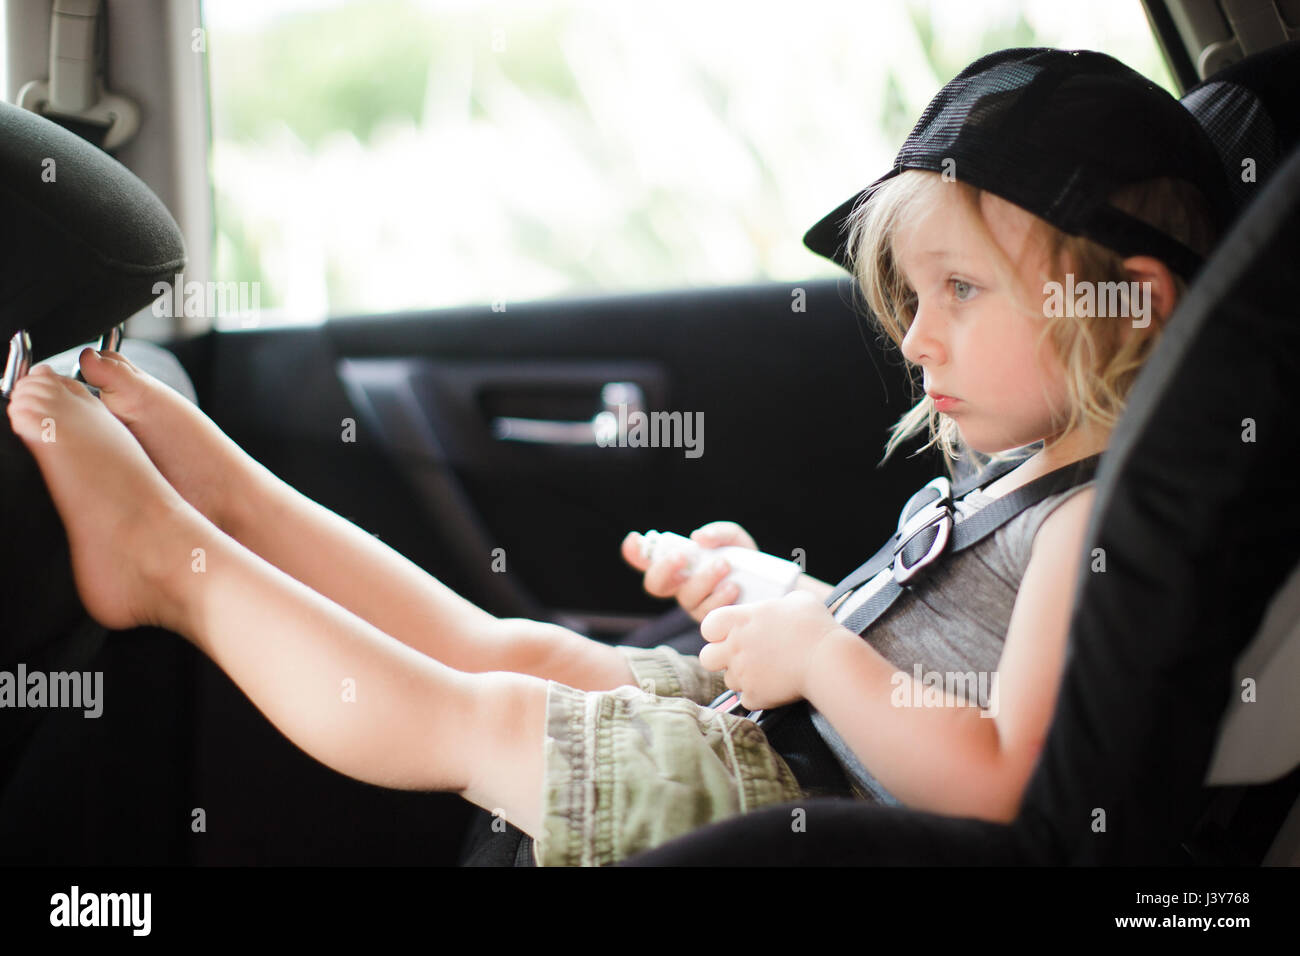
pixel 328 553
pixel 346 693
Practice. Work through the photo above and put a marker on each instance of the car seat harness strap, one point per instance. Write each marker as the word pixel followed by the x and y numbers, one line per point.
pixel 927 530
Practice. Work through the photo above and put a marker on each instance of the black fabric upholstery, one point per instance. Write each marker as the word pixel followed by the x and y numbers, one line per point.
pixel 81 253
pixel 1199 529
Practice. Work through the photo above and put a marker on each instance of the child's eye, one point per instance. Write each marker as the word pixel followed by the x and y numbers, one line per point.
pixel 962 291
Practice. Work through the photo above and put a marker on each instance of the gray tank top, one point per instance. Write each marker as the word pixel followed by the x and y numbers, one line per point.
pixel 954 622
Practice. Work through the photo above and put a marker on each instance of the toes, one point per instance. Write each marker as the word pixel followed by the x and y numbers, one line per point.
pixel 121 385
pixel 102 369
pixel 36 388
pixel 28 408
pixel 44 381
pixel 73 387
pixel 43 389
pixel 119 361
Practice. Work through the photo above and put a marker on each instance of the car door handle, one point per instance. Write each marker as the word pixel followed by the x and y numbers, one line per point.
pixel 619 400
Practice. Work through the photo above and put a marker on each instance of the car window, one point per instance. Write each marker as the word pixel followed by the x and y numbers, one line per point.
pixel 395 154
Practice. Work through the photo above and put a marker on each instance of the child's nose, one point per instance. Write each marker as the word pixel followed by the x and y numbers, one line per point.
pixel 920 344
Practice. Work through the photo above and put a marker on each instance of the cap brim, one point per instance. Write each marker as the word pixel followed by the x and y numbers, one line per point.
pixel 829 236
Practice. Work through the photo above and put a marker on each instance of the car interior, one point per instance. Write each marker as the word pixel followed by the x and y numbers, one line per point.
pixel 477 439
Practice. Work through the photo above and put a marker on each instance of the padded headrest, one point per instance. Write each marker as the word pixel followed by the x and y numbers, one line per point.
pixel 84 240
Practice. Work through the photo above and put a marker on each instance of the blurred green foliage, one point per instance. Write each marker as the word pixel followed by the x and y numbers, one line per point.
pixel 341 68
pixel 353 68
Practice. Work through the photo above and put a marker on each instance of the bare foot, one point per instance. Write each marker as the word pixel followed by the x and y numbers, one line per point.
pixel 192 453
pixel 130 534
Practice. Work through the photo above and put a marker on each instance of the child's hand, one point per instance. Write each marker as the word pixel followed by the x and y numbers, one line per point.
pixel 698 593
pixel 766 648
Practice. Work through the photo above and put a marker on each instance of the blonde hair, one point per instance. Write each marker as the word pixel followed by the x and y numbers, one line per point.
pixel 1099 365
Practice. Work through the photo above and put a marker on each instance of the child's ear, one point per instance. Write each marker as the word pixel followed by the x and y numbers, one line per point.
pixel 1160 291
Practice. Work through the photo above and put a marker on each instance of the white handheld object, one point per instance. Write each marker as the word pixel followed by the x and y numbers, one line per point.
pixel 760 576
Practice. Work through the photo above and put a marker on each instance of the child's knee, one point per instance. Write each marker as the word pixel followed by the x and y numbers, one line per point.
pixel 504 740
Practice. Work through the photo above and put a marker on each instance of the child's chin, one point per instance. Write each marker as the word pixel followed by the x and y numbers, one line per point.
pixel 987 444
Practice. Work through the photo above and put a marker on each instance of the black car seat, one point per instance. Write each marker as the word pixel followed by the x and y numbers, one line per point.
pixel 1175 738
pixel 84 241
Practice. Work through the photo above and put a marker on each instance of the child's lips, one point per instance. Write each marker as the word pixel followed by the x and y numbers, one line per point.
pixel 943 403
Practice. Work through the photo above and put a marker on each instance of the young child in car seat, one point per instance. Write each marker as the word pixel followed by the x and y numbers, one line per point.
pixel 382 673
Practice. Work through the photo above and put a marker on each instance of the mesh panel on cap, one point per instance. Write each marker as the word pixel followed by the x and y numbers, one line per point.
pixel 1057 132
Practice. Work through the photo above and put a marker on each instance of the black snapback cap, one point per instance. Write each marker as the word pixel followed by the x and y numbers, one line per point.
pixel 1056 132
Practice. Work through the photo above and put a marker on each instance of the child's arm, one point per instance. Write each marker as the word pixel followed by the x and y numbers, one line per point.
pixel 945 759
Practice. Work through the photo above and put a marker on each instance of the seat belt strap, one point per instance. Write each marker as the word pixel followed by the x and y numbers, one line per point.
pixel 930 495
pixel 885 556
pixel 939 522
pixel 928 530
pixel 74 95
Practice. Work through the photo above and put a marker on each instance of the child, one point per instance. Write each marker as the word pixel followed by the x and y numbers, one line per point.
pixel 383 674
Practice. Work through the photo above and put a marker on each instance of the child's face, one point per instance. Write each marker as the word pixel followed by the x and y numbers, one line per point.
pixel 970 333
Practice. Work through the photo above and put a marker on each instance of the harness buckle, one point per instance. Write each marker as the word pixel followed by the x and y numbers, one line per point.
pixel 728 702
pixel 936 513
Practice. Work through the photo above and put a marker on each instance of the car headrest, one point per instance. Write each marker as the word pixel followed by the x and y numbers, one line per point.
pixel 84 241
pixel 1248 111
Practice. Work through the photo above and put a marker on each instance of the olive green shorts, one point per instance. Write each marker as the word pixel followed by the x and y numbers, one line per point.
pixel 631 768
